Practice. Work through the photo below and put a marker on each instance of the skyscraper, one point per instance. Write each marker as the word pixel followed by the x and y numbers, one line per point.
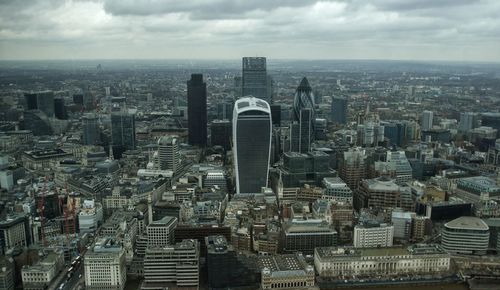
pixel 197 110
pixel 122 132
pixel 306 130
pixel 254 80
pixel 303 111
pixel 468 121
pixel 427 120
pixel 43 101
pixel 339 109
pixel 168 153
pixel 252 144
pixel 91 131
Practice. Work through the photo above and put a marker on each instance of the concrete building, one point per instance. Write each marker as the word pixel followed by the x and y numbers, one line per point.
pixel 418 259
pixel 353 167
pixel 466 235
pixel 104 266
pixel 172 265
pixel 305 235
pixel 7 273
pixel 402 222
pixel 254 81
pixel 14 232
pixel 373 235
pixel 90 216
pixel 161 233
pixel 168 153
pixel 482 192
pixel 41 274
pixel 427 120
pixel 339 110
pixel 286 272
pixel 468 121
pixel 382 192
pixel 336 189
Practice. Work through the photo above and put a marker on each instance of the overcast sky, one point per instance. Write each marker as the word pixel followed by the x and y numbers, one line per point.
pixel 464 30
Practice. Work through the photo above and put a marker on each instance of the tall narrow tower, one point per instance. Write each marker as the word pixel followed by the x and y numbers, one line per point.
pixel 254 80
pixel 197 110
pixel 252 144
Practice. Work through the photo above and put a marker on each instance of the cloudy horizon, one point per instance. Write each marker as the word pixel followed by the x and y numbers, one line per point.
pixel 454 30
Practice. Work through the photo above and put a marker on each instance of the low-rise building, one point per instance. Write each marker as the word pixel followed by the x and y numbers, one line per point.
pixel 286 272
pixel 373 235
pixel 41 274
pixel 332 262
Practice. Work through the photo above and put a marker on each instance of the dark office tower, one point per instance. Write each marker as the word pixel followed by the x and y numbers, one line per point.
pixel 37 122
pixel 221 133
pixel 60 109
pixel 251 144
pixel 339 110
pixel 91 131
pixel 276 115
pixel 225 110
pixel 43 101
pixel 254 79
pixel 306 130
pixel 122 132
pixel 491 120
pixel 197 110
pixel 78 99
pixel 294 137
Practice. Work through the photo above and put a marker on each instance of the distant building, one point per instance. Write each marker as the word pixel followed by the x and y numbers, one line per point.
pixel 168 153
pixel 254 80
pixel 91 130
pixel 122 132
pixel 221 133
pixel 491 120
pixel 427 120
pixel 197 110
pixel 43 101
pixel 373 235
pixel 303 108
pixel 14 232
pixel 251 144
pixel 339 110
pixel 468 121
pixel 466 235
pixel 104 265
pixel 418 259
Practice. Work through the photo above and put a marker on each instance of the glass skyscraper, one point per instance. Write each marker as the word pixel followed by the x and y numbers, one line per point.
pixel 254 80
pixel 122 132
pixel 339 110
pixel 303 110
pixel 252 144
pixel 197 110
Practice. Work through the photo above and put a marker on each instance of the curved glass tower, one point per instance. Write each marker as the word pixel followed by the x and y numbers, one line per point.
pixel 303 110
pixel 251 144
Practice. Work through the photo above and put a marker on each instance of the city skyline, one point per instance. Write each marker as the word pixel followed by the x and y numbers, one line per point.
pixel 383 29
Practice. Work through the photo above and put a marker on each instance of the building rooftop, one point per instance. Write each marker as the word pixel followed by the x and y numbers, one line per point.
pixel 418 249
pixel 467 223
